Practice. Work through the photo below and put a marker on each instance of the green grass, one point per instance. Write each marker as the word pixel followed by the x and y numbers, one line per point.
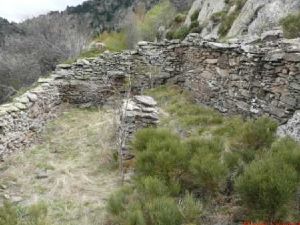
pixel 184 113
pixel 36 214
pixel 291 25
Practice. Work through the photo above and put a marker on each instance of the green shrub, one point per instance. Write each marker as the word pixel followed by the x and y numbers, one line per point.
pixel 145 136
pixel 288 151
pixel 180 18
pixel 116 202
pixel 160 153
pixel 130 209
pixel 134 217
pixel 197 30
pixel 240 4
pixel 195 15
pixel 254 134
pixel 191 209
pixel 291 26
pixel 181 33
pixel 207 169
pixel 194 24
pixel 152 187
pixel 163 211
pixel 170 34
pixel 266 187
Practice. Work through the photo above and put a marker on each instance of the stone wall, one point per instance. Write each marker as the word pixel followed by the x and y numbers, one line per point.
pixel 240 78
pixel 252 80
pixel 138 112
pixel 21 119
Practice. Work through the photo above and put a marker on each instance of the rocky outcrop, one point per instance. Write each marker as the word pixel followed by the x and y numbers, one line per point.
pixel 255 17
pixel 258 16
pixel 206 9
pixel 292 127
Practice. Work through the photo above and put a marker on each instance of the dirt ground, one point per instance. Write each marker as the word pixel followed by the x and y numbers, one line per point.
pixel 72 170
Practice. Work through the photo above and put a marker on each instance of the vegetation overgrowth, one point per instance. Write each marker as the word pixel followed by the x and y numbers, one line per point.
pixel 139 25
pixel 198 163
pixel 227 18
pixel 291 25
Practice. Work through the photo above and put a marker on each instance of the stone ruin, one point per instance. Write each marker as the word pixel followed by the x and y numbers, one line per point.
pixel 137 112
pixel 250 78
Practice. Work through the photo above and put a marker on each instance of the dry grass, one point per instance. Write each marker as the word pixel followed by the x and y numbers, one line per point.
pixel 76 155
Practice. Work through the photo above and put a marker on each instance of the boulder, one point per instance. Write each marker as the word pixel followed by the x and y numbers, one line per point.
pixel 291 128
pixel 145 100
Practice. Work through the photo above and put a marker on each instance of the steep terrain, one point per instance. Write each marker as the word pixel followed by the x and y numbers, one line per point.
pixel 235 18
pixel 32 48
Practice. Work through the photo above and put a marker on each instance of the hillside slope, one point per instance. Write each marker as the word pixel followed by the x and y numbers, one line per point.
pixel 235 18
pixel 33 48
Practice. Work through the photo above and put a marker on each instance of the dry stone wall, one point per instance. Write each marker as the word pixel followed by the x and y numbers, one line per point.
pixel 138 112
pixel 23 118
pixel 239 78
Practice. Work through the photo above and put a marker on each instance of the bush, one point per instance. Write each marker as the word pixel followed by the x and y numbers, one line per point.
pixel 206 166
pixel 116 202
pixel 194 24
pixel 179 18
pixel 195 15
pixel 160 153
pixel 255 134
pixel 163 211
pixel 181 33
pixel 135 217
pixel 266 187
pixel 152 187
pixel 291 26
pixel 191 209
pixel 288 151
